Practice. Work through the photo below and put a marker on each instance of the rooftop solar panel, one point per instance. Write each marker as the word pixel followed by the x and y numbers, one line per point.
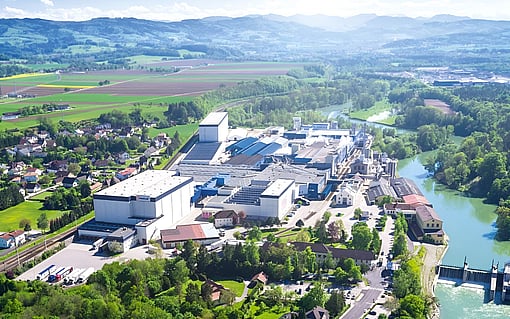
pixel 202 152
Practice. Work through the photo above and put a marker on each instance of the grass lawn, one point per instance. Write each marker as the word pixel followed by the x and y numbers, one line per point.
pixel 30 210
pixel 379 107
pixel 42 195
pixel 185 131
pixel 234 286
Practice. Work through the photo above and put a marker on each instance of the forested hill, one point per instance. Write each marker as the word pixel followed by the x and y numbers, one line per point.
pixel 250 37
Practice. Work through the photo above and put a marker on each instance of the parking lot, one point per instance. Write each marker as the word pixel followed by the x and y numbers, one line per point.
pixel 81 255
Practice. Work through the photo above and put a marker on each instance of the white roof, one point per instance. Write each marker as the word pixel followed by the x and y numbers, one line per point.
pixel 214 118
pixel 152 183
pixel 277 187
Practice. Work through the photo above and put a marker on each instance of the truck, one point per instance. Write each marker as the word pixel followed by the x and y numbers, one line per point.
pixel 46 272
pixel 85 275
pixel 60 274
pixel 53 276
pixel 63 274
pixel 73 276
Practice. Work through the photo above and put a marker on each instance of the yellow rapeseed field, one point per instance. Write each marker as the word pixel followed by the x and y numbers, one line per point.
pixel 22 76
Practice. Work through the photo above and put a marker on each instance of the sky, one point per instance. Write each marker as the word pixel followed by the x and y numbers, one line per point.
pixel 167 10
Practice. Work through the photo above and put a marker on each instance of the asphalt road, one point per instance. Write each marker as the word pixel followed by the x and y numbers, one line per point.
pixel 363 304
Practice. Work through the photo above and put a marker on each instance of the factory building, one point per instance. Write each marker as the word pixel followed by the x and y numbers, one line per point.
pixel 259 200
pixel 148 202
pixel 214 128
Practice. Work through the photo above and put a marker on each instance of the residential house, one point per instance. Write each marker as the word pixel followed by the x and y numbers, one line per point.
pixel 32 187
pixel 317 313
pixel 57 165
pixel 124 156
pixel 321 251
pixel 101 163
pixel 259 277
pixel 126 132
pixel 69 182
pixel 51 144
pixel 226 218
pixel 126 173
pixel 30 177
pixel 11 239
pixel 151 151
pixel 161 140
pixel 216 291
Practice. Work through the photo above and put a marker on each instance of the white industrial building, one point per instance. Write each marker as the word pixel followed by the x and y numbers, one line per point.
pixel 214 128
pixel 260 200
pixel 148 202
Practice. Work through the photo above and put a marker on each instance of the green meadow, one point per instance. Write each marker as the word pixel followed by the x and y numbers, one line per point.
pixel 30 210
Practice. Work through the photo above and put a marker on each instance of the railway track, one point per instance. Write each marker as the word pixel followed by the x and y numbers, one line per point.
pixel 20 258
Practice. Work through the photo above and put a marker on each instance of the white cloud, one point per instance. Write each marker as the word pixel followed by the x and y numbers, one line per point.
pixel 48 2
pixel 14 12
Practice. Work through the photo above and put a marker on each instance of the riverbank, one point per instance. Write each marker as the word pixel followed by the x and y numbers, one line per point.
pixel 469 223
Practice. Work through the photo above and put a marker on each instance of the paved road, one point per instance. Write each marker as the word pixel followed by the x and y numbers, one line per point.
pixel 363 304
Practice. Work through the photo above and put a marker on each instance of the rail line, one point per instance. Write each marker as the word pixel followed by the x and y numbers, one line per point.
pixel 20 258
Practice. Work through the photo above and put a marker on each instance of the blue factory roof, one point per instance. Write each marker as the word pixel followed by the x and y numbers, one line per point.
pixel 254 148
pixel 239 145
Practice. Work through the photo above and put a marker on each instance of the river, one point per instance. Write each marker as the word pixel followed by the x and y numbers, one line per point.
pixel 470 226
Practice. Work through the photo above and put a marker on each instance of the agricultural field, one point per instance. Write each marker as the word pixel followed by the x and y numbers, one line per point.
pixel 126 88
pixel 29 209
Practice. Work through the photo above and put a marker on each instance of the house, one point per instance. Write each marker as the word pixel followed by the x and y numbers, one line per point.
pixel 69 182
pixel 123 156
pixel 317 313
pixel 259 277
pixel 346 195
pixel 13 238
pixel 321 251
pixel 161 140
pixel 10 116
pixel 57 165
pixel 216 291
pixel 126 173
pixel 32 187
pixel 151 151
pixel 51 144
pixel 430 224
pixel 101 163
pixel 394 209
pixel 34 170
pixel 31 177
pixel 226 218
pixel 203 234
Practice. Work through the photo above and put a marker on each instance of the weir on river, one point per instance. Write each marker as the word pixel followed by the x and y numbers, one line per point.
pixel 492 280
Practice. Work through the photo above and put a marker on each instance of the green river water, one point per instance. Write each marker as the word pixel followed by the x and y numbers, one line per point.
pixel 470 226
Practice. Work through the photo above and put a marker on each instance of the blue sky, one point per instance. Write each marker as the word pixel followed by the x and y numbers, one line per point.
pixel 188 9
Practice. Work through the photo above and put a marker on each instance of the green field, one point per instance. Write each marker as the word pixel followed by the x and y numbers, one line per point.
pixel 80 110
pixel 378 108
pixel 234 286
pixel 30 210
pixel 185 131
